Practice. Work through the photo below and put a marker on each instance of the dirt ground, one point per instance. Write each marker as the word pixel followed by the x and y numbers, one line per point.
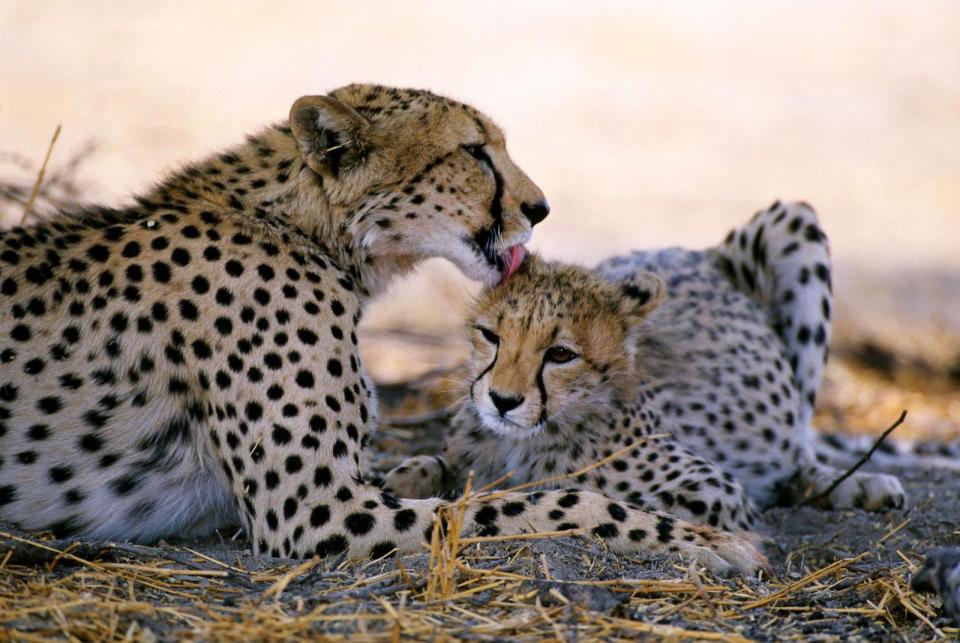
pixel 841 575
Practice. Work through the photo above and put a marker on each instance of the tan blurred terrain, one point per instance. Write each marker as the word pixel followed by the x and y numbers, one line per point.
pixel 645 124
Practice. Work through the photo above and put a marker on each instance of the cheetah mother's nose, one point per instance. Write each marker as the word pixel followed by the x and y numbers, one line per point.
pixel 535 212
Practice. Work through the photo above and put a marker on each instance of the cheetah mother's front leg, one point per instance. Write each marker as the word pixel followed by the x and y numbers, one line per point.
pixel 291 447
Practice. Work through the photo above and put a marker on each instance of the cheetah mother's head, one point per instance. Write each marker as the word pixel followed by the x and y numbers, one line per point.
pixel 413 175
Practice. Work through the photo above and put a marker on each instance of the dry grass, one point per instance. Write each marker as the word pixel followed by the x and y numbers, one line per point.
pixel 40 176
pixel 119 592
pixel 28 190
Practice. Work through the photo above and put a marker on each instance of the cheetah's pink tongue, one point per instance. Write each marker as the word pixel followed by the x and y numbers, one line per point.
pixel 512 258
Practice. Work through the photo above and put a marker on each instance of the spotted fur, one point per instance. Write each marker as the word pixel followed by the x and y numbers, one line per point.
pixel 569 365
pixel 190 361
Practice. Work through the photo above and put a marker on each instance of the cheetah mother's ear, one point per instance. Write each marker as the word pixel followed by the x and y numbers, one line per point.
pixel 640 294
pixel 331 135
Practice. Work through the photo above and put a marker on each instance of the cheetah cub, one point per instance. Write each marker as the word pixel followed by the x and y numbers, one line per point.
pixel 718 354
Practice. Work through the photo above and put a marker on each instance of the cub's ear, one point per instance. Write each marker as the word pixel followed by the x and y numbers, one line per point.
pixel 331 135
pixel 640 294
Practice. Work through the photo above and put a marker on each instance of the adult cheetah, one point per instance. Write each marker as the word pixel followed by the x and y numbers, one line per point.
pixel 191 360
pixel 721 350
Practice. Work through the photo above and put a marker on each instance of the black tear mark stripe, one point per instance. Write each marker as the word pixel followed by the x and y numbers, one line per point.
pixel 540 384
pixel 496 206
pixel 543 393
pixel 496 354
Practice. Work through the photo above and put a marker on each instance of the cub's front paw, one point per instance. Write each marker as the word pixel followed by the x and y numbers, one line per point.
pixel 421 476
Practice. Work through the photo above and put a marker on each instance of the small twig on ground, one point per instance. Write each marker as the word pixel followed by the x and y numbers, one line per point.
pixel 849 472
pixel 40 175
pixel 835 566
pixel 24 551
pixel 276 590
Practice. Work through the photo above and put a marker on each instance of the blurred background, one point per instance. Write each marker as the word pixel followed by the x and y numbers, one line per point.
pixel 646 124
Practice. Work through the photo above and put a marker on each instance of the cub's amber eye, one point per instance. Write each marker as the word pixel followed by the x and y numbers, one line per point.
pixel 559 354
pixel 488 335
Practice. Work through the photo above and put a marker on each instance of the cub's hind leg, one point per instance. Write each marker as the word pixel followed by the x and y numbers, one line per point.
pixel 781 258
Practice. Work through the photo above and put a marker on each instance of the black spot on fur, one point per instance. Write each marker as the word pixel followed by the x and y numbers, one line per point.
pixel 360 523
pixel 606 530
pixel 404 519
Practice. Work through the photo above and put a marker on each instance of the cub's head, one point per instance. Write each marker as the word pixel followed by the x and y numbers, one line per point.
pixel 553 343
pixel 416 175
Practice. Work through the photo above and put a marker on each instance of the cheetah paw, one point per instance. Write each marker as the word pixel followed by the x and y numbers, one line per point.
pixel 421 476
pixel 728 554
pixel 870 491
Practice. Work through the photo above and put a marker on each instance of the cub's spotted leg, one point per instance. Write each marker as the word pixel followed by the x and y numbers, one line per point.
pixel 663 475
pixel 623 527
pixel 782 259
pixel 659 474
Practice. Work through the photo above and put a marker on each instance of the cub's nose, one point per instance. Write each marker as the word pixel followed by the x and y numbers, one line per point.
pixel 535 212
pixel 505 403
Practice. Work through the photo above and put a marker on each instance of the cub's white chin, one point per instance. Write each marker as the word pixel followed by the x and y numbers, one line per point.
pixel 506 428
